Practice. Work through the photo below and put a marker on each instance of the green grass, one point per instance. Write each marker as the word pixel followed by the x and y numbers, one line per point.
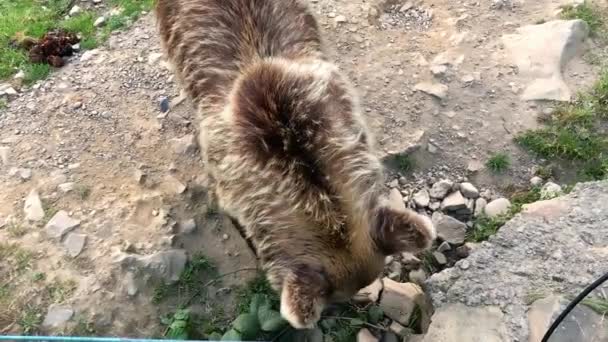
pixel 484 227
pixel 498 162
pixel 59 291
pixel 586 12
pixel 33 18
pixel 576 133
pixel 30 319
pixel 16 230
pixel 599 305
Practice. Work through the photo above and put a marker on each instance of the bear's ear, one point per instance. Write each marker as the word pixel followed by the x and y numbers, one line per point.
pixel 395 231
pixel 304 295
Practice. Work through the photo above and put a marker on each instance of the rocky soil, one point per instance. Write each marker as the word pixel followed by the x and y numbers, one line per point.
pixel 103 183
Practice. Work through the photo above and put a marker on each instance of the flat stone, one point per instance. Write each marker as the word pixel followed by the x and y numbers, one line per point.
pixel 436 89
pixel 166 265
pixel 396 200
pixel 457 322
pixel 449 229
pixel 57 316
pixel 541 52
pixel 33 207
pixel 468 190
pixel 174 185
pixel 422 198
pixel 440 189
pixel 475 166
pixel 444 247
pixel 60 224
pixel 74 244
pixel 454 202
pixel 399 301
pixel 370 293
pixel 440 258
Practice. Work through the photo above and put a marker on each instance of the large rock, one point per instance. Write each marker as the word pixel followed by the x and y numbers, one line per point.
pixel 74 244
pixel 556 246
pixel 468 190
pixel 541 52
pixel 457 322
pixel 449 229
pixel 33 207
pixel 60 224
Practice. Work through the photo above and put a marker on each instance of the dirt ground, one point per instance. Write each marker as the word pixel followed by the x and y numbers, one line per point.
pixel 137 176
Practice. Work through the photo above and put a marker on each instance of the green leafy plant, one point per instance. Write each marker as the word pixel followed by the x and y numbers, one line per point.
pixel 498 162
pixel 261 320
pixel 178 325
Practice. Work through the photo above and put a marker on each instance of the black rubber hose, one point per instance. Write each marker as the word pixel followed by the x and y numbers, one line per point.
pixel 572 305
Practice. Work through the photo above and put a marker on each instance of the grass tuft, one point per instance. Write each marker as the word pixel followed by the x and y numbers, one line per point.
pixel 586 12
pixel 576 133
pixel 498 162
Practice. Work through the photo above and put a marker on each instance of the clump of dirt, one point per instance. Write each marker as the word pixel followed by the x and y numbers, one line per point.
pixel 49 49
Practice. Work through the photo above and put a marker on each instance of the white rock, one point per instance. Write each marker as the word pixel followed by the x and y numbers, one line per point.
pixel 74 244
pixel 418 276
pixel 89 54
pixel 57 316
pixel 154 58
pixel 422 198
pixel 536 181
pixel 66 187
pixel 23 174
pixel 436 89
pixel 550 190
pixel 100 21
pixel 33 207
pixel 60 224
pixel 474 166
pixel 439 70
pixel 497 207
pixel 74 10
pixel 541 52
pixel 440 258
pixel 396 200
pixel 468 190
pixel 4 154
pixel 340 19
pixel 440 189
pixel 19 75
